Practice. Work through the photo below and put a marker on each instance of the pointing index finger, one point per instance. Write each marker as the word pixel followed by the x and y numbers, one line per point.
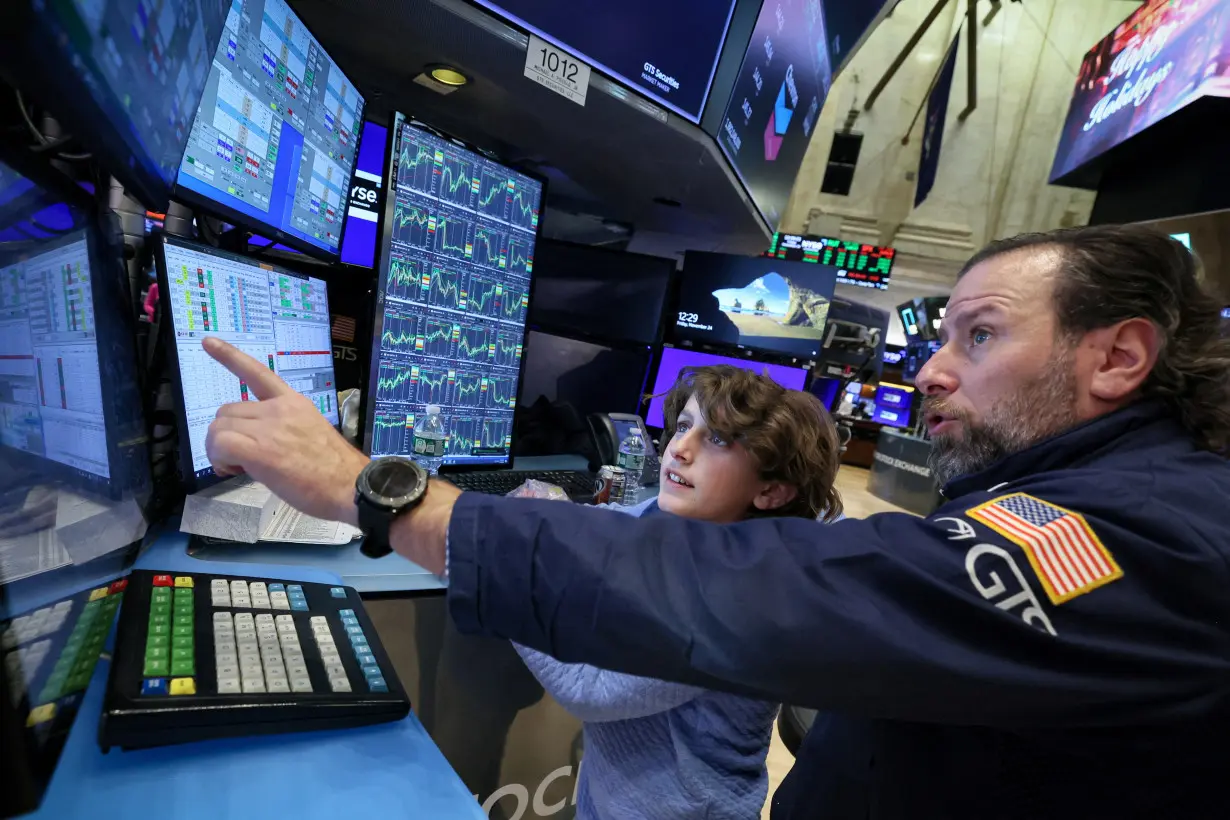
pixel 260 379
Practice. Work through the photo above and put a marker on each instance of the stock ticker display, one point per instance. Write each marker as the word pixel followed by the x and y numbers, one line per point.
pixel 455 295
pixel 865 266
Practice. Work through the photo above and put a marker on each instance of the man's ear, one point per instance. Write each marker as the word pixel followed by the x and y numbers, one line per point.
pixel 1128 351
pixel 775 494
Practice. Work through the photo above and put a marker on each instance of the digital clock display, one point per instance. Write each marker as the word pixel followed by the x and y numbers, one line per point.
pixel 865 266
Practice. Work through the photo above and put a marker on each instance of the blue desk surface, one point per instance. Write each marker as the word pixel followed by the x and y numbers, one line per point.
pixel 389 770
pixel 391 573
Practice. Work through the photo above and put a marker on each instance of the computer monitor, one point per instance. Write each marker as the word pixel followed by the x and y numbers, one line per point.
pixel 675 359
pixel 123 77
pixel 858 264
pixel 366 199
pixel 893 405
pixel 274 141
pixel 272 314
pixel 592 378
pixel 756 303
pixel 603 294
pixel 67 363
pixel 456 267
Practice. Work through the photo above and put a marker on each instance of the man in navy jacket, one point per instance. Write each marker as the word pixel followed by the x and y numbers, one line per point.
pixel 1052 642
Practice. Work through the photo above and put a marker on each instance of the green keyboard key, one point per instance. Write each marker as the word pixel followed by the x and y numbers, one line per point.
pixel 157 653
pixel 179 653
pixel 78 682
pixel 182 669
pixel 182 620
pixel 181 593
pixel 180 641
pixel 157 668
pixel 158 640
pixel 159 620
pixel 159 629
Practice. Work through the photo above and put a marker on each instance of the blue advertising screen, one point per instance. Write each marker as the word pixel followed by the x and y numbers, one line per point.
pixel 274 140
pixel 366 198
pixel 667 51
pixel 776 100
pixel 893 404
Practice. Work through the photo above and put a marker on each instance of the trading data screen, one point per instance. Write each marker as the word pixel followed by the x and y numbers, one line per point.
pixel 865 266
pixel 274 141
pixel 277 317
pixel 454 285
pixel 51 401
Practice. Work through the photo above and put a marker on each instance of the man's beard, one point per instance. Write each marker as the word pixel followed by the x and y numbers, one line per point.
pixel 1039 409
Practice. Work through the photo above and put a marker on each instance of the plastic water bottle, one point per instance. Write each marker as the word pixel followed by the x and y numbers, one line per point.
pixel 632 459
pixel 429 440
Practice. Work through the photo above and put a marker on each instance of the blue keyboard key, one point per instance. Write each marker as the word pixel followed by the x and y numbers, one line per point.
pixel 359 642
pixel 338 592
pixel 154 686
pixel 354 630
pixel 299 605
pixel 277 587
pixel 346 613
pixel 294 589
pixel 350 620
pixel 372 671
pixel 377 685
pixel 364 658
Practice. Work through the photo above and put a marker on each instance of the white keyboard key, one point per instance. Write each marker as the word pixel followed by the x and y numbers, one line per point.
pixel 317 619
pixel 253 686
pixel 217 584
pixel 245 618
pixel 238 602
pixel 249 660
pixel 278 600
pixel 275 671
pixel 220 601
pixel 339 684
pixel 286 629
pixel 335 670
pixel 296 670
pixel 252 670
pixel 63 606
pixel 228 670
pixel 284 619
pixel 279 685
pixel 225 658
pixel 263 618
pixel 229 686
pixel 242 586
pixel 260 603
pixel 301 684
pixel 256 586
pixel 222 617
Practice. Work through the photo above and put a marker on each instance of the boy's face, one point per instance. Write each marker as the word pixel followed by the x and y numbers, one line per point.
pixel 720 481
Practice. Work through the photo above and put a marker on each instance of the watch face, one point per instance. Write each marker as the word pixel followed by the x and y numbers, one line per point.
pixel 393 481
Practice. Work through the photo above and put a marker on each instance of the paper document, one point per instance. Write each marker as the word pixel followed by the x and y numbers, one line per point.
pixel 247 511
pixel 294 527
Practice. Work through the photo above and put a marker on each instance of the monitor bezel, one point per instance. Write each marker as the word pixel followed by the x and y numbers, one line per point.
pixel 190 481
pixel 85 116
pixel 383 252
pixel 108 292
pixel 187 196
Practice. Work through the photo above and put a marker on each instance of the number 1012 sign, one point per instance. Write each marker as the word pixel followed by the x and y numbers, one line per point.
pixel 557 70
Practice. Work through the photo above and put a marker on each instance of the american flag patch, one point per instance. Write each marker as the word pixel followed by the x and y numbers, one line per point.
pixel 1063 549
pixel 343 328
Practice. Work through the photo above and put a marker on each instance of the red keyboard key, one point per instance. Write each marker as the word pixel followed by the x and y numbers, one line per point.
pixel 162 581
pixel 119 586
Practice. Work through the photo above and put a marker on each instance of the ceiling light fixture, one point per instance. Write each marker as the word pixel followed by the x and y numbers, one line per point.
pixel 448 75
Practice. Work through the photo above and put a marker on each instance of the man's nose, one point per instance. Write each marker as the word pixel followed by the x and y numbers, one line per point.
pixel 937 376
pixel 681 448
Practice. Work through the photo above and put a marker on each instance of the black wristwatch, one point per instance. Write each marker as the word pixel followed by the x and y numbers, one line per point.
pixel 387 488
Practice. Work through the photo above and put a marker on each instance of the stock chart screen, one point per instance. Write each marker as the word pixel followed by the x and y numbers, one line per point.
pixel 865 266
pixel 455 274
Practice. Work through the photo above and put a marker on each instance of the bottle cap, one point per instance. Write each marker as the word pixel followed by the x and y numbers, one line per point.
pixel 433 409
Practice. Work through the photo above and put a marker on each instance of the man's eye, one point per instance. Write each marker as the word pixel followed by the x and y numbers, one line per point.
pixel 979 336
pixel 681 428
pixel 718 440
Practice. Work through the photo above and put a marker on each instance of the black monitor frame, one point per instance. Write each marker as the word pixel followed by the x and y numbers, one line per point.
pixel 46 77
pixel 272 232
pixel 190 481
pixel 127 457
pixel 367 400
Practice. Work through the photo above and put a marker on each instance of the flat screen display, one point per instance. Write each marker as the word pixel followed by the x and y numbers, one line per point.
pixel 845 23
pixel 274 142
pixel 667 51
pixel 272 314
pixel 609 295
pixel 592 378
pixel 893 404
pixel 455 270
pixel 754 302
pixel 143 66
pixel 858 264
pixel 675 359
pixel 1166 54
pixel 776 100
pixel 366 198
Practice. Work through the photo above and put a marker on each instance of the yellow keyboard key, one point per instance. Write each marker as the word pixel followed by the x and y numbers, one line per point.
pixel 41 714
pixel 183 686
pixel 183 581
pixel 101 592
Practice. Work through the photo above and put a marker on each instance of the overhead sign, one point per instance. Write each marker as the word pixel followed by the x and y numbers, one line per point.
pixel 865 266
pixel 557 70
pixel 1167 54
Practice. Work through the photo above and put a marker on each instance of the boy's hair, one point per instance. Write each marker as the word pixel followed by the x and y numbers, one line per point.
pixel 788 432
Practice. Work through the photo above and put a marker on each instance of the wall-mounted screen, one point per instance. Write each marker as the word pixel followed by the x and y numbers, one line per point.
pixel 893 405
pixel 776 101
pixel 667 51
pixel 1166 54
pixel 274 140
pixel 858 264
pixel 754 302
pixel 366 198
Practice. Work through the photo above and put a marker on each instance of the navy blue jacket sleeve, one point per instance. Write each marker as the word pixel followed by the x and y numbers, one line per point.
pixel 891 616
